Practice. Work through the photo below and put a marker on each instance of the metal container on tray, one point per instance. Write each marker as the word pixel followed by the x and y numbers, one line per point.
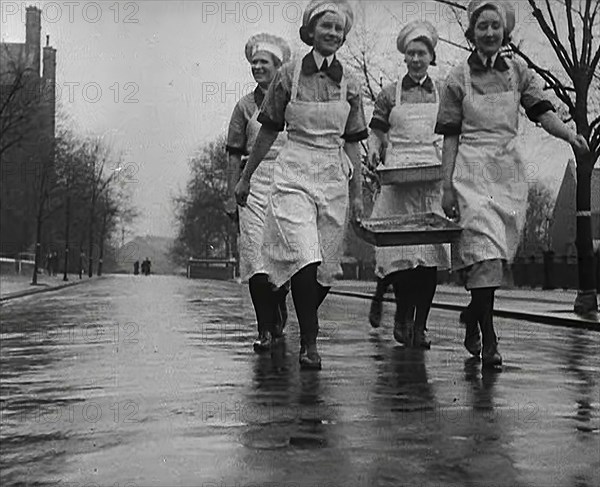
pixel 422 228
pixel 413 173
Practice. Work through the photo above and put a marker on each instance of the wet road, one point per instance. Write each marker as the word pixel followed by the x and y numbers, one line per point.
pixel 151 381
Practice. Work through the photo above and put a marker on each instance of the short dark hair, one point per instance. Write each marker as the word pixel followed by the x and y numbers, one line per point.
pixel 427 42
pixel 470 32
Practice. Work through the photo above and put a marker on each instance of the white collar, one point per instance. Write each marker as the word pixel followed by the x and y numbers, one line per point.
pixel 421 81
pixel 484 58
pixel 319 58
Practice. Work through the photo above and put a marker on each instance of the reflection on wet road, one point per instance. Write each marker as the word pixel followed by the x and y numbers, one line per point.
pixel 151 381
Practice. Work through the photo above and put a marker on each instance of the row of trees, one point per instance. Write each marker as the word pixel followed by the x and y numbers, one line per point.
pixel 62 193
pixel 205 230
pixel 86 201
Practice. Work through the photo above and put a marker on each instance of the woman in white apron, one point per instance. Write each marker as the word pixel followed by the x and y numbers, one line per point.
pixel 265 53
pixel 406 111
pixel 323 115
pixel 485 186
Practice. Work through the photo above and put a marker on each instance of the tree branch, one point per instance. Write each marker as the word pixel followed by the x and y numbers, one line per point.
pixel 558 47
pixel 559 88
pixel 452 4
pixel 572 40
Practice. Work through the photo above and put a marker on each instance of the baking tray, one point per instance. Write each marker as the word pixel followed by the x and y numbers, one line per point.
pixel 409 174
pixel 421 228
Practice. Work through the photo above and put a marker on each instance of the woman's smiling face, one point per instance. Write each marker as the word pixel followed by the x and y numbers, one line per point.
pixel 489 32
pixel 263 68
pixel 328 34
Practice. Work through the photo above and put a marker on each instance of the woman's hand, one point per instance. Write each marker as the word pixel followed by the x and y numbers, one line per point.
pixel 356 209
pixel 580 145
pixel 242 190
pixel 450 203
pixel 231 208
pixel 372 158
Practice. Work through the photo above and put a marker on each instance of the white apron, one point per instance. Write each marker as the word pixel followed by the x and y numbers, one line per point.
pixel 412 141
pixel 309 198
pixel 489 176
pixel 252 216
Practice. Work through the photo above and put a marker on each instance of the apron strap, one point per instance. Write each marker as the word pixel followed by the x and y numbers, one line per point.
pixel 468 85
pixel 295 80
pixel 343 89
pixel 514 84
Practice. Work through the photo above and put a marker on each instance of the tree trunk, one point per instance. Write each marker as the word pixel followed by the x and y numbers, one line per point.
pixel 586 301
pixel 38 245
pixel 102 236
pixel 91 242
pixel 67 216
pixel 80 270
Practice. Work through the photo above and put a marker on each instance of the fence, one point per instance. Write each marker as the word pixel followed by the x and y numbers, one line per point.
pixel 545 271
pixel 220 269
pixel 10 266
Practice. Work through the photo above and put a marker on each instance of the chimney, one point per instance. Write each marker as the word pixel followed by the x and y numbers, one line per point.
pixel 49 86
pixel 49 73
pixel 33 29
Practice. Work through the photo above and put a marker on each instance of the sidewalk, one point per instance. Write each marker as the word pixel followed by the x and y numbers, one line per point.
pixel 553 307
pixel 16 286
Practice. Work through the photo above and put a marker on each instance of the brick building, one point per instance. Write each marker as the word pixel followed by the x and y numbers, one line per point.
pixel 27 79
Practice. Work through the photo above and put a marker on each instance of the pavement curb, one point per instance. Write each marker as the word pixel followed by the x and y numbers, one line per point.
pixel 545 319
pixel 29 292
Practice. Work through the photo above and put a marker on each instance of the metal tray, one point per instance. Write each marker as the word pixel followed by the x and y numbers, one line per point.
pixel 422 228
pixel 409 174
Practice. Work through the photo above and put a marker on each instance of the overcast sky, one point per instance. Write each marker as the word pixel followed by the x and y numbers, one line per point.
pixel 157 79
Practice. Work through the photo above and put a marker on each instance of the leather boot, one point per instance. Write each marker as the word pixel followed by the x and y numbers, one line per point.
pixel 472 340
pixel 404 327
pixel 420 338
pixel 375 313
pixel 262 343
pixel 490 357
pixel 309 357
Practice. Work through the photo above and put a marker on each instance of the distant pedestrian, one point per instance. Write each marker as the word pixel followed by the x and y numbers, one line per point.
pixel 136 268
pixel 54 265
pixel 49 263
pixel 146 266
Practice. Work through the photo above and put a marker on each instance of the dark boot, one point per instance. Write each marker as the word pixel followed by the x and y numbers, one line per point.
pixel 308 294
pixel 404 317
pixel 427 284
pixel 420 337
pixel 262 343
pixel 472 340
pixel 490 357
pixel 377 303
pixel 375 312
pixel 281 312
pixel 309 357
pixel 404 325
pixel 262 300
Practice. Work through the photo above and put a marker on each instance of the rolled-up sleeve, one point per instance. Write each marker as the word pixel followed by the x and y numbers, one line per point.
pixel 533 99
pixel 236 135
pixel 381 111
pixel 356 125
pixel 272 110
pixel 450 112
